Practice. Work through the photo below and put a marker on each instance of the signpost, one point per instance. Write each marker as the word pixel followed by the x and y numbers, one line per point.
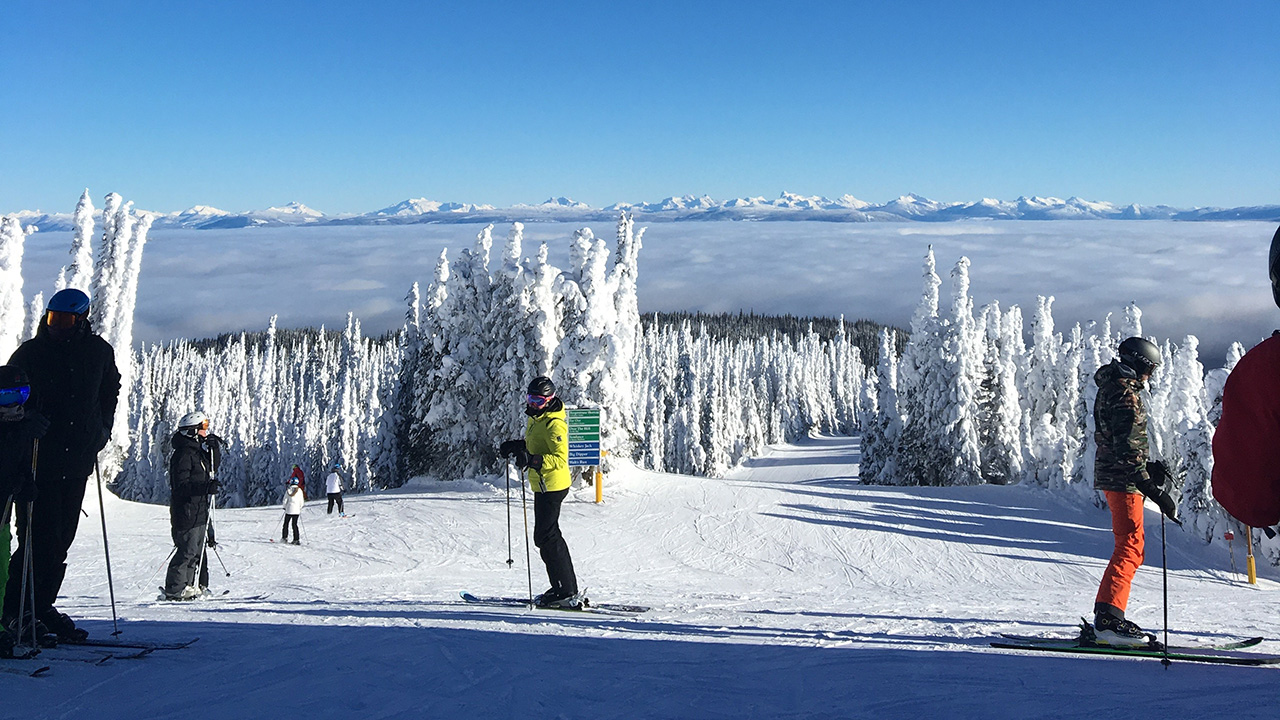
pixel 584 442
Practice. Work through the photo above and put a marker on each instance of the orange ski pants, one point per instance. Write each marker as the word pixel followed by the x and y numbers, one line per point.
pixel 1126 525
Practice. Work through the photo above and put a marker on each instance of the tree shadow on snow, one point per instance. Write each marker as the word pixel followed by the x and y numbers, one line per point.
pixel 340 669
pixel 975 523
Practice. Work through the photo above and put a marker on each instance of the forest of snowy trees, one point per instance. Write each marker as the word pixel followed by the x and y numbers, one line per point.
pixel 110 278
pixel 966 396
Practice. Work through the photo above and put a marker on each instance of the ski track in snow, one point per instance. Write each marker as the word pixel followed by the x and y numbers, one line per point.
pixel 784 590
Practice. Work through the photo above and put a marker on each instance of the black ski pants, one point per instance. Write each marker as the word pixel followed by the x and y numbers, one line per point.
pixel 284 531
pixel 189 556
pixel 335 497
pixel 551 544
pixel 55 515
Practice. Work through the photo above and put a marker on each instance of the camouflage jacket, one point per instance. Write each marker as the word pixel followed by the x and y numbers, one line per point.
pixel 1120 424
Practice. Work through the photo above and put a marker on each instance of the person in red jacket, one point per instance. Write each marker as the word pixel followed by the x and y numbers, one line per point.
pixel 302 480
pixel 1246 445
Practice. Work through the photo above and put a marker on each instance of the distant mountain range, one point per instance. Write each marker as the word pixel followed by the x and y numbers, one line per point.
pixel 788 206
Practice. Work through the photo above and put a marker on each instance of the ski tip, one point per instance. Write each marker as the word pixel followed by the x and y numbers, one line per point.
pixel 41 671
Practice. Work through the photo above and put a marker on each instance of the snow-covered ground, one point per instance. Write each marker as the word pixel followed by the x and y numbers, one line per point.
pixel 784 590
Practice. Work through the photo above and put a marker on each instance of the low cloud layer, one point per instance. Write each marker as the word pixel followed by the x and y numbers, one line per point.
pixel 1206 279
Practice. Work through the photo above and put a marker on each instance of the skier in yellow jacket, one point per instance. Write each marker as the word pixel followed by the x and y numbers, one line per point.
pixel 544 455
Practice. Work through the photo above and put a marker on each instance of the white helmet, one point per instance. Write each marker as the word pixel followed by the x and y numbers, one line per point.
pixel 193 419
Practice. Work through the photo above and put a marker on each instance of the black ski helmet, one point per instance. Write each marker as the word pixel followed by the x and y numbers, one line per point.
pixel 1140 354
pixel 12 376
pixel 542 386
pixel 15 386
pixel 1273 265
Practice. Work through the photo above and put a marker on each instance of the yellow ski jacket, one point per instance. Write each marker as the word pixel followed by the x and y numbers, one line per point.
pixel 548 435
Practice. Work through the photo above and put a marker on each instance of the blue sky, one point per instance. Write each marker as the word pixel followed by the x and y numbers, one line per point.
pixel 350 107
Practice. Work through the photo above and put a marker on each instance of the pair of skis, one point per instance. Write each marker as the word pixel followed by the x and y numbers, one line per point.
pixel 117 650
pixel 586 607
pixel 1226 653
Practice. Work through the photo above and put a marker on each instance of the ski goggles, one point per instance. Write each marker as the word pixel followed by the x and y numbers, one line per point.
pixel 14 395
pixel 539 401
pixel 60 319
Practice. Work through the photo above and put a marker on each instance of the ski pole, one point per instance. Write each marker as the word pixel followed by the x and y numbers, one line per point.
pixel 111 587
pixel 1164 572
pixel 162 564
pixel 219 556
pixel 200 561
pixel 28 589
pixel 510 561
pixel 212 506
pixel 528 561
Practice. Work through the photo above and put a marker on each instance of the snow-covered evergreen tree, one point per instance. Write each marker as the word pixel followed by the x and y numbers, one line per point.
pixel 999 416
pixel 881 434
pixel 958 447
pixel 922 394
pixel 12 307
pixel 459 414
pixel 78 273
pixel 35 312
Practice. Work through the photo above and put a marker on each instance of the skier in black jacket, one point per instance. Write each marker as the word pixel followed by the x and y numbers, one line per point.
pixel 19 429
pixel 75 384
pixel 192 485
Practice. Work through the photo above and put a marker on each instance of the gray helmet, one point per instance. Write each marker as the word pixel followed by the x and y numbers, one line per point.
pixel 192 420
pixel 1140 354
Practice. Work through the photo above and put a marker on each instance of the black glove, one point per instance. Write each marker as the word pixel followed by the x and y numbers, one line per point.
pixel 104 435
pixel 1159 473
pixel 33 425
pixel 1160 490
pixel 533 461
pixel 511 448
pixel 213 487
pixel 211 542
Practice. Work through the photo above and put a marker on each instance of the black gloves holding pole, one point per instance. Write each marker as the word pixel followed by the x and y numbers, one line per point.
pixel 516 450
pixel 1161 490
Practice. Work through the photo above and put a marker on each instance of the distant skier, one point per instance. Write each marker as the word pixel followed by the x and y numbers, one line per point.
pixel 1246 445
pixel 193 485
pixel 544 453
pixel 333 490
pixel 75 384
pixel 1123 474
pixel 19 429
pixel 294 499
pixel 297 474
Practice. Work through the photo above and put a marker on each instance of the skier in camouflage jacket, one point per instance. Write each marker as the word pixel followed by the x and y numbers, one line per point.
pixel 1120 423
pixel 1121 473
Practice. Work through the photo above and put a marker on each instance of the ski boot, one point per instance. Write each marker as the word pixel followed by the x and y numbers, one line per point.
pixel 44 638
pixel 1113 631
pixel 190 592
pixel 554 598
pixel 61 624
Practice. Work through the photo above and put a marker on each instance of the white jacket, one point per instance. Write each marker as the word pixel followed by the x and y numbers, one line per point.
pixel 333 483
pixel 293 500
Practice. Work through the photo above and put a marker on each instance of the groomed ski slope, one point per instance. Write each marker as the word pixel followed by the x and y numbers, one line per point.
pixel 786 590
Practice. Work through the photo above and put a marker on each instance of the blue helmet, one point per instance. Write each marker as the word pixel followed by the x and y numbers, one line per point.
pixel 69 301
